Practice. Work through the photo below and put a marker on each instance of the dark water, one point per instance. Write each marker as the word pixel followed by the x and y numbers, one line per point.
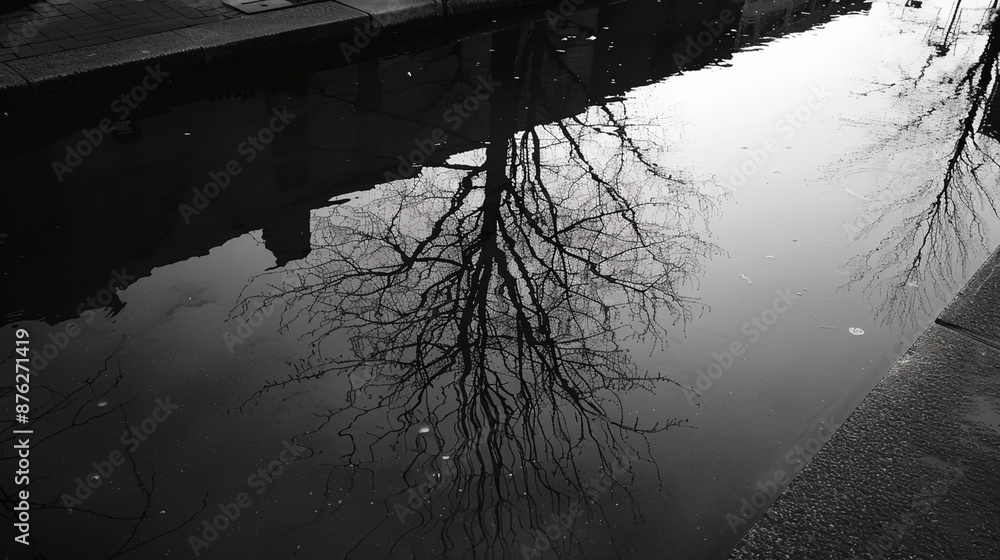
pixel 564 285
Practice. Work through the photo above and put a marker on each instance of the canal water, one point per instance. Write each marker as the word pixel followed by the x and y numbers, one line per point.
pixel 592 281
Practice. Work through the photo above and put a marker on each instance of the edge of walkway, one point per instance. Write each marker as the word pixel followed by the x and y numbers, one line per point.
pixel 230 41
pixel 912 473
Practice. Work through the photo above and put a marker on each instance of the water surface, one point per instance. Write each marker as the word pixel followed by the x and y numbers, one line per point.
pixel 564 286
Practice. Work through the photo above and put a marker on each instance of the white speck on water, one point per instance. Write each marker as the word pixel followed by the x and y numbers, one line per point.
pixel 446 457
pixel 856 331
pixel 102 403
pixel 744 276
pixel 769 256
pixel 423 430
pixel 852 193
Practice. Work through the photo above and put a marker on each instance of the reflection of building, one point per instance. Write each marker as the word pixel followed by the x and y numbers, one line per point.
pixel 769 18
pixel 286 234
pixel 759 16
pixel 666 37
pixel 353 125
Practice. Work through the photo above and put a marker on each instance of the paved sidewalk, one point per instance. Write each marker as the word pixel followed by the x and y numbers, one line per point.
pixel 913 471
pixel 58 50
pixel 59 25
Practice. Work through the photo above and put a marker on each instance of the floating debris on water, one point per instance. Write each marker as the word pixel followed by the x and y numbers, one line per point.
pixel 102 403
pixel 744 276
pixel 856 331
pixel 423 430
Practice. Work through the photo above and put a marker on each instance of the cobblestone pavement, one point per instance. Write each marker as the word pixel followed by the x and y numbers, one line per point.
pixel 30 29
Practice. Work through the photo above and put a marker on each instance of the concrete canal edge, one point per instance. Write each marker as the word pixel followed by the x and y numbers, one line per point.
pixel 913 472
pixel 235 41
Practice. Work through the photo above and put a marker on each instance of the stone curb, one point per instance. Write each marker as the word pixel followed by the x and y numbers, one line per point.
pixel 975 310
pixel 882 487
pixel 226 41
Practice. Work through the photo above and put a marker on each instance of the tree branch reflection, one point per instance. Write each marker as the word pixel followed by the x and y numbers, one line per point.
pixel 940 219
pixel 489 307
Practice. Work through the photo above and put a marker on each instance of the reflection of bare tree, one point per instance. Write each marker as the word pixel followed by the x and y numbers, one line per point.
pixel 491 300
pixel 56 413
pixel 939 222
